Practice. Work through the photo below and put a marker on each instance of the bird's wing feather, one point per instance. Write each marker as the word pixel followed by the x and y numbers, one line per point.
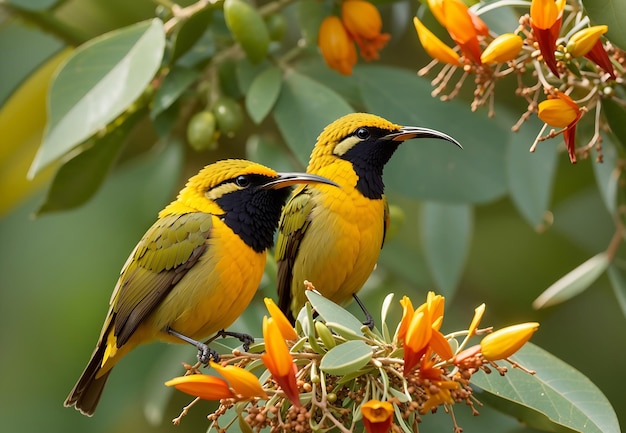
pixel 162 257
pixel 291 230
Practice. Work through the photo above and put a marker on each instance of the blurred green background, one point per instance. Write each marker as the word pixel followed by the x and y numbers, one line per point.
pixel 57 271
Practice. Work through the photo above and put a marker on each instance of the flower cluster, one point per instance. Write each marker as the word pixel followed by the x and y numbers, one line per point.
pixel 332 372
pixel 552 52
pixel 360 23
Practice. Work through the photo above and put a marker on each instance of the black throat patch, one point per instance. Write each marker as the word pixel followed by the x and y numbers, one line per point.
pixel 253 214
pixel 368 159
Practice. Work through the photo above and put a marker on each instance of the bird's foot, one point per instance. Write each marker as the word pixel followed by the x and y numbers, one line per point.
pixel 369 320
pixel 206 354
pixel 246 339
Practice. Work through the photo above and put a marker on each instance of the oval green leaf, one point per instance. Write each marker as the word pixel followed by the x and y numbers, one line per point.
pixel 346 358
pixel 173 85
pixel 446 232
pixel 303 110
pixel 78 179
pixel 573 283
pixel 263 93
pixel 96 84
pixel 331 312
pixel 429 169
pixel 557 398
pixel 531 175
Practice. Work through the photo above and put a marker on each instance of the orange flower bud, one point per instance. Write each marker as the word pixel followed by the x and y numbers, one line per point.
pixel 502 49
pixel 583 41
pixel 434 46
pixel 504 342
pixel 377 416
pixel 336 47
pixel 545 19
pixel 282 322
pixel 202 385
pixel 243 383
pixel 364 24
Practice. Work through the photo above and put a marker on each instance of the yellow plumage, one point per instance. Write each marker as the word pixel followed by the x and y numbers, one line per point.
pixel 332 236
pixel 195 270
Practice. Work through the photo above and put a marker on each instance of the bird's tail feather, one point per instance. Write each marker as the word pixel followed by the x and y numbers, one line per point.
pixel 86 393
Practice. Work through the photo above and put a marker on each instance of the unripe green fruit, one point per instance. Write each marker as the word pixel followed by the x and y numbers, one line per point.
pixel 201 131
pixel 248 28
pixel 229 115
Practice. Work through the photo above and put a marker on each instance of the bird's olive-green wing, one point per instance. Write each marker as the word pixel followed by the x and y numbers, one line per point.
pixel 291 229
pixel 168 250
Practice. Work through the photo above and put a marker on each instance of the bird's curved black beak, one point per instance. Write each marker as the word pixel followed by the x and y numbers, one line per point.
pixel 288 179
pixel 409 132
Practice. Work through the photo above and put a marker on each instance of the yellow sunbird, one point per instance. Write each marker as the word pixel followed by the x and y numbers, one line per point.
pixel 332 236
pixel 195 270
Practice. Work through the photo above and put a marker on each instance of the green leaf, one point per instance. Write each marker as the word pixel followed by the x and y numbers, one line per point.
pixel 618 281
pixel 331 312
pixel 557 398
pixel 98 83
pixel 190 32
pixel 573 283
pixel 263 93
pixel 304 108
pixel 615 115
pixel 531 175
pixel 446 231
pixel 173 85
pixel 429 169
pixel 346 358
pixel 611 13
pixel 79 179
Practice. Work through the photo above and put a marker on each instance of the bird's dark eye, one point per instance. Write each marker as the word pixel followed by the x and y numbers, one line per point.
pixel 242 181
pixel 362 133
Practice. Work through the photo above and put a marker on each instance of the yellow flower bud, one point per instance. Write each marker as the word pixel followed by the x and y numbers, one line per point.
pixel 558 112
pixel 504 342
pixel 583 41
pixel 502 49
pixel 434 46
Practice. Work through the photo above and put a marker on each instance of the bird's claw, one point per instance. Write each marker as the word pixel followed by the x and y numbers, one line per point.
pixel 206 354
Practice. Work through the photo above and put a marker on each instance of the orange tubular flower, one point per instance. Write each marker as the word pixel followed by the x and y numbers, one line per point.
pixel 502 49
pixel 434 46
pixel 561 111
pixel 419 330
pixel 336 47
pixel 545 20
pixel 364 24
pixel 462 25
pixel 279 361
pixel 504 342
pixel 202 385
pixel 282 322
pixel 244 383
pixel 377 416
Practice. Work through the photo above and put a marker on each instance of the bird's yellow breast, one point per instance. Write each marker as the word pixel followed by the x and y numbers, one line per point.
pixel 216 290
pixel 340 250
